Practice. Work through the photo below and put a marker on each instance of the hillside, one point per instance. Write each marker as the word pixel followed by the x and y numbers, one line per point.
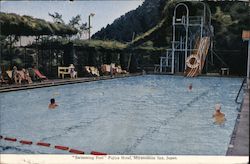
pixel 136 21
pixel 229 18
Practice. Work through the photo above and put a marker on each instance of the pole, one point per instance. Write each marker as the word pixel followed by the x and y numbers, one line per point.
pixel 248 66
pixel 89 27
pixel 186 43
pixel 173 47
pixel 37 53
pixel 90 15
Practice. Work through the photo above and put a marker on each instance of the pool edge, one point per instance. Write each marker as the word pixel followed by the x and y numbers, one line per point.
pixel 58 82
pixel 239 143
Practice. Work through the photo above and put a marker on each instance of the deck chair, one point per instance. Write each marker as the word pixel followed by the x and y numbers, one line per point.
pixel 105 69
pixel 94 71
pixel 10 78
pixel 14 79
pixel 91 71
pixel 39 75
pixel 2 80
pixel 9 73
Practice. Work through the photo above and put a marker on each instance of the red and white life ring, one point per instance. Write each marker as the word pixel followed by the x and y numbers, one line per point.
pixel 196 61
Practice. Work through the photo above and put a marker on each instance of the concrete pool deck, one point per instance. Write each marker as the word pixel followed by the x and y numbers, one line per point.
pixel 239 145
pixel 56 82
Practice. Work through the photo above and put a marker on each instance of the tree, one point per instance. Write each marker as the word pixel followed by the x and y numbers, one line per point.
pixel 57 18
pixel 74 22
pixel 81 27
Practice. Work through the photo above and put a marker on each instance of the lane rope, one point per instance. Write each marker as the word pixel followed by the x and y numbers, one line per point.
pixel 43 144
pixel 25 142
pixel 59 147
pixel 76 151
pixel 10 139
pixel 97 153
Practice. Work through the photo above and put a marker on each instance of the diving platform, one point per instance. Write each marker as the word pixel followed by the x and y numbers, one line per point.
pixel 191 40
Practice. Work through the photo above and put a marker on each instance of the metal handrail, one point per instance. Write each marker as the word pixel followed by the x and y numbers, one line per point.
pixel 242 84
pixel 168 53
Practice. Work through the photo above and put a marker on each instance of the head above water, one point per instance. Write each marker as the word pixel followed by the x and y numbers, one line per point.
pixel 52 101
pixel 217 107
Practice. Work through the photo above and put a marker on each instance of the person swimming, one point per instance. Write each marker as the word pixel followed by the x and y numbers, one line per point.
pixel 218 116
pixel 52 104
pixel 190 87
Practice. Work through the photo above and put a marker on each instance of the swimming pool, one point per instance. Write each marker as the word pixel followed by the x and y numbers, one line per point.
pixel 150 115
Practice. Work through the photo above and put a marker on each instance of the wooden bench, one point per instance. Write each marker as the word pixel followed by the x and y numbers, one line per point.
pixel 63 71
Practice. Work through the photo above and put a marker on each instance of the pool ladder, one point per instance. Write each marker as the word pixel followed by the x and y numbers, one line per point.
pixel 242 85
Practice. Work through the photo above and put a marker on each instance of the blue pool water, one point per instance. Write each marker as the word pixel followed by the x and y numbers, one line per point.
pixel 149 115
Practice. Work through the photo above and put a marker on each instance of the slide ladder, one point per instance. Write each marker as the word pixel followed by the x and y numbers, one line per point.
pixel 195 62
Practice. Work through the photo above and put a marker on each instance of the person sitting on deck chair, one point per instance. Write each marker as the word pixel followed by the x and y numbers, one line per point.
pixel 52 104
pixel 27 76
pixel 218 116
pixel 73 73
pixel 22 75
pixel 19 76
pixel 15 75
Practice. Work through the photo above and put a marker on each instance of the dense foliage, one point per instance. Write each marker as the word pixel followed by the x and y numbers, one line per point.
pixel 13 24
pixel 229 18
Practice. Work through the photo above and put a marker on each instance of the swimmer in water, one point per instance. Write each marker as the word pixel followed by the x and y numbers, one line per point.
pixel 52 104
pixel 190 86
pixel 218 116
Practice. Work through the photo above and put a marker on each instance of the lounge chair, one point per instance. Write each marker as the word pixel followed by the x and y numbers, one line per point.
pixel 91 71
pixel 105 69
pixel 2 80
pixel 19 77
pixel 9 73
pixel 39 75
pixel 94 71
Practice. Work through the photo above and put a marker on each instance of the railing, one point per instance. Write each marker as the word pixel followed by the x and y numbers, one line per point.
pixel 195 20
pixel 242 85
pixel 192 20
pixel 164 61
